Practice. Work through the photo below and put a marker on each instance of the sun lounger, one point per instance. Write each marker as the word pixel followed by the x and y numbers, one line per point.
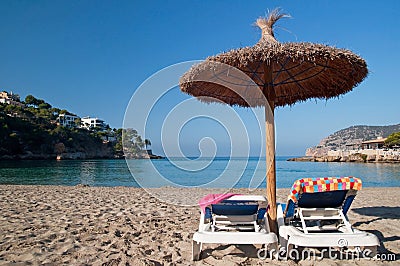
pixel 237 219
pixel 316 216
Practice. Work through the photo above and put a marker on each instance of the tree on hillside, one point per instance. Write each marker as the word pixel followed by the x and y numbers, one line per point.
pixel 393 139
pixel 131 142
pixel 44 106
pixel 54 112
pixel 78 122
pixel 118 144
pixel 139 142
pixel 63 111
pixel 17 111
pixel 31 100
pixel 42 111
pixel 147 143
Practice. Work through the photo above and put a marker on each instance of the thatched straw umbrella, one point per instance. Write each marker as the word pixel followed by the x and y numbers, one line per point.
pixel 283 73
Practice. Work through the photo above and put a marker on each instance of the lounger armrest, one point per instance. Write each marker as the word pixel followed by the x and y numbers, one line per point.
pixel 205 219
pixel 261 213
pixel 289 210
pixel 247 198
pixel 207 214
pixel 348 201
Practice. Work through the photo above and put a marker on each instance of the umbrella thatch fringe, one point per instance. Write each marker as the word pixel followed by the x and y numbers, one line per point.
pixel 339 71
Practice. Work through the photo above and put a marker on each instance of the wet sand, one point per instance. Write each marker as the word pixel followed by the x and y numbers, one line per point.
pixel 79 225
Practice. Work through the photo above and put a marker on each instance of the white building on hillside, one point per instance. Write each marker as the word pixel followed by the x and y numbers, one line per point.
pixel 90 123
pixel 10 98
pixel 67 120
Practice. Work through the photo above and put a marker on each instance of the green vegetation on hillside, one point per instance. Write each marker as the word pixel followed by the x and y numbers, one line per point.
pixel 393 140
pixel 32 132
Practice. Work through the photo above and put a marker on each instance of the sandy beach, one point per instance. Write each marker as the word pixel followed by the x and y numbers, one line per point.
pixel 53 225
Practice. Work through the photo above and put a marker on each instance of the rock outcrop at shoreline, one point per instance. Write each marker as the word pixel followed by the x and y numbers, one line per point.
pixel 357 157
pixel 146 154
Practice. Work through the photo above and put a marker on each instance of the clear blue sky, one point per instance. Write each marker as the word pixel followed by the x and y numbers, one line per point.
pixel 90 56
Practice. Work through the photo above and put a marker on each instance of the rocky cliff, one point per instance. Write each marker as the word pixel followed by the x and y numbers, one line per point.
pixel 350 135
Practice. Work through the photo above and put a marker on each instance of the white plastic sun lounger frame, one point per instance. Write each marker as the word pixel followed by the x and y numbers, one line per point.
pixel 307 214
pixel 207 235
pixel 291 236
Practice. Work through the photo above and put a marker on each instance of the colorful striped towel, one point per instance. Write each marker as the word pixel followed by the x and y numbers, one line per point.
pixel 322 184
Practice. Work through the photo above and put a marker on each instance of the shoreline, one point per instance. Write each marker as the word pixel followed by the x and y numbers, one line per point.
pixel 54 158
pixel 171 188
pixel 126 225
pixel 338 159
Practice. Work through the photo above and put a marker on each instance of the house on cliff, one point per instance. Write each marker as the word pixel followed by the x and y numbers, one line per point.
pixel 10 98
pixel 374 144
pixel 91 123
pixel 66 120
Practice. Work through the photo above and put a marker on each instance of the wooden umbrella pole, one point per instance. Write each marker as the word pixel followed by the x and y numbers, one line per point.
pixel 269 92
pixel 271 170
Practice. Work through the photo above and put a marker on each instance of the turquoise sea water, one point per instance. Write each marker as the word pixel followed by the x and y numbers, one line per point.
pixel 219 172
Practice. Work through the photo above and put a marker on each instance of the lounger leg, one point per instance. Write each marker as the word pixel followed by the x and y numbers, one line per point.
pixel 196 250
pixel 283 243
pixel 289 254
pixel 273 249
pixel 373 251
pixel 256 228
pixel 346 222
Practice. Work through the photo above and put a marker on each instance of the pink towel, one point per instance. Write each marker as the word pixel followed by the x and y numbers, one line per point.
pixel 213 199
